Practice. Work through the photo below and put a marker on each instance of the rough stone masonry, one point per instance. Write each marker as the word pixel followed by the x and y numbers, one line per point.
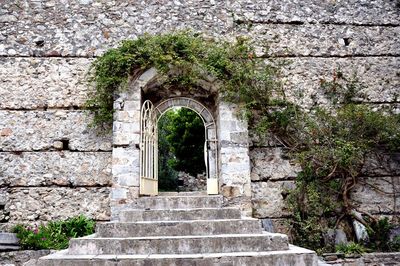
pixel 52 165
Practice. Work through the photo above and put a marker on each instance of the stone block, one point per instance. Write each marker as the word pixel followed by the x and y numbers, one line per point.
pixel 355 12
pixel 180 214
pixel 174 245
pixel 8 239
pixel 22 257
pixel 268 164
pixel 377 195
pixel 379 75
pixel 127 116
pixel 264 140
pixel 268 199
pixel 59 168
pixel 382 164
pixel 231 191
pixel 127 180
pixel 231 167
pixel 31 83
pixel 133 108
pixel 177 202
pixel 119 193
pixel 101 25
pixel 125 169
pixel 126 157
pixel 182 228
pixel 37 130
pixel 321 39
pixel 53 203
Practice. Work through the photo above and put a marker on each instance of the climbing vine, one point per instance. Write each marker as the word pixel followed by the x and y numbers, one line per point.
pixel 330 143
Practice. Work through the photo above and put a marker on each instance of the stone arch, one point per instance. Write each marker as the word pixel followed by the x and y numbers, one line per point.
pixel 211 141
pixel 232 151
pixel 196 106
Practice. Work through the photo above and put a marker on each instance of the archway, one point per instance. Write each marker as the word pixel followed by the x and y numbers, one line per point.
pixel 227 138
pixel 149 143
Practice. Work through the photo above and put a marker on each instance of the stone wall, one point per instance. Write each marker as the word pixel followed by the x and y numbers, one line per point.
pixel 53 165
pixel 369 259
pixel 23 257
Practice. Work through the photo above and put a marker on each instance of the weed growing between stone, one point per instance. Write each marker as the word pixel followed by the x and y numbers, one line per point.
pixel 54 235
pixel 330 142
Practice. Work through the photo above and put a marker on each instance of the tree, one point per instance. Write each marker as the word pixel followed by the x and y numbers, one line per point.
pixel 181 144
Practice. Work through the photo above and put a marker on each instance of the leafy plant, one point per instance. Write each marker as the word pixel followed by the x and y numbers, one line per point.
pixel 183 59
pixel 379 236
pixel 54 235
pixel 351 248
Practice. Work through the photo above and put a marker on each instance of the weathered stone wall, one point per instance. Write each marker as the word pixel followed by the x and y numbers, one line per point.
pixel 23 257
pixel 369 259
pixel 53 165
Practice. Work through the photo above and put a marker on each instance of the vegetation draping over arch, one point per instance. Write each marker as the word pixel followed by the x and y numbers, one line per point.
pixel 241 75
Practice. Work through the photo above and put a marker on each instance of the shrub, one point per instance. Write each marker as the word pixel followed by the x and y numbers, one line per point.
pixel 379 236
pixel 54 235
pixel 351 248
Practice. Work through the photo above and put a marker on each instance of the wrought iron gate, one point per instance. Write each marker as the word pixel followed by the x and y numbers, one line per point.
pixel 148 150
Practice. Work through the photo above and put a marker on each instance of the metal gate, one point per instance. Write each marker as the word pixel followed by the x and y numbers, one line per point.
pixel 148 150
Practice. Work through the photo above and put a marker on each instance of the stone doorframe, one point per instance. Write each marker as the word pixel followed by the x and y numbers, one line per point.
pixel 233 148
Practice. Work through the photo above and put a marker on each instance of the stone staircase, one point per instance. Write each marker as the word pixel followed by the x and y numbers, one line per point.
pixel 181 229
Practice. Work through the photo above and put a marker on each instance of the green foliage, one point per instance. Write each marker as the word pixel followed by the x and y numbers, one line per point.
pixel 54 235
pixel 186 141
pixel 379 236
pixel 351 248
pixel 181 143
pixel 183 58
pixel 167 176
pixel 331 145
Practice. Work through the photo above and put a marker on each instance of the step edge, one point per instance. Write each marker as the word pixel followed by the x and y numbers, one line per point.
pixel 292 250
pixel 263 234
pixel 181 221
pixel 180 209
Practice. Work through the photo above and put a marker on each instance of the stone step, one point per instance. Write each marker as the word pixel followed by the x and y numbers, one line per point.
pixel 177 202
pixel 294 256
pixel 179 214
pixel 8 239
pixel 179 228
pixel 178 244
pixel 4 247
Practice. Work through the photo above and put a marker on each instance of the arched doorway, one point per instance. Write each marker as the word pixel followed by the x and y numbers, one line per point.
pixel 227 139
pixel 150 114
